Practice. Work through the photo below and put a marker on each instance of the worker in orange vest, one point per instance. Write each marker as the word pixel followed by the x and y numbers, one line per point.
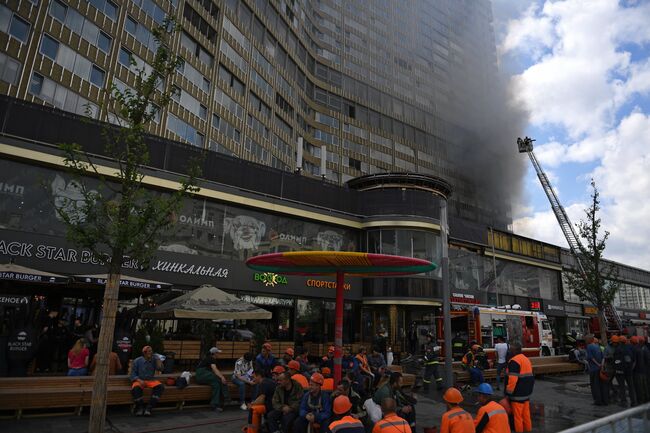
pixel 519 388
pixel 491 417
pixel 294 370
pixel 390 423
pixel 345 423
pixel 328 383
pixel 455 420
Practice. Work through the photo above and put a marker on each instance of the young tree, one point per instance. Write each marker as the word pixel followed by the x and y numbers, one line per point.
pixel 599 283
pixel 118 217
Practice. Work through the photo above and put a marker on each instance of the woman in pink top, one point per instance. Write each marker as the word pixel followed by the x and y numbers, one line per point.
pixel 78 359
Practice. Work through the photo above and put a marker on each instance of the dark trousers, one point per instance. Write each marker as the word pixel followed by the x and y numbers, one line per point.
pixel 476 376
pixel 599 388
pixel 138 399
pixel 302 426
pixel 431 370
pixel 409 417
pixel 276 419
pixel 624 381
pixel 640 388
pixel 500 368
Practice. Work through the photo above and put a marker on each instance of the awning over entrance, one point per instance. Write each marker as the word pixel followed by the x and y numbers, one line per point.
pixel 126 282
pixel 13 272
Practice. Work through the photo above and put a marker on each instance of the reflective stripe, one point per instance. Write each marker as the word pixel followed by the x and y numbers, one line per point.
pixel 393 423
pixel 455 414
pixel 496 412
pixel 439 379
pixel 426 381
pixel 521 374
pixel 519 398
pixel 346 425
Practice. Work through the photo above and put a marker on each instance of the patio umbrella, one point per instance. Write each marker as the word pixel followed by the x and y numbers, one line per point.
pixel 207 302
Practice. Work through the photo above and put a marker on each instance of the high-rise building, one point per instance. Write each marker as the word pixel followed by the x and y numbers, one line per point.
pixel 371 85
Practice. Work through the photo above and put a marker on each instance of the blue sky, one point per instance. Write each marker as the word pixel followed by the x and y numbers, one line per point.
pixel 582 70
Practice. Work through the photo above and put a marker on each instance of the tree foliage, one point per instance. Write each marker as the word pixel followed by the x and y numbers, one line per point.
pixel 599 283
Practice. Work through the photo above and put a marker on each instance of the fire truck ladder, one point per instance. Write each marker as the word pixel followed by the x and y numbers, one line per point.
pixel 613 319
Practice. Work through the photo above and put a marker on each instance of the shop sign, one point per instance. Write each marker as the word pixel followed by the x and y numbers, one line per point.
pixel 267 300
pixel 187 269
pixel 464 298
pixel 14 300
pixel 270 279
pixel 630 314
pixel 591 311
pixel 535 305
pixel 554 309
pixel 573 309
pixel 21 344
pixel 327 284
pixel 19 276
pixel 125 283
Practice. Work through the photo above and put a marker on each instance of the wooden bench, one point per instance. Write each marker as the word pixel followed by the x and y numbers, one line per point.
pixel 408 379
pixel 541 365
pixel 185 350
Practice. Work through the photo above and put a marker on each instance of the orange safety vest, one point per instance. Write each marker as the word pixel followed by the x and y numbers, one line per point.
pixel 521 379
pixel 328 384
pixel 456 420
pixel 302 380
pixel 363 362
pixel 347 424
pixel 498 418
pixel 391 423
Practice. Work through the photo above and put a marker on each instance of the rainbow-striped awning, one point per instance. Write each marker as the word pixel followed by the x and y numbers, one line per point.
pixel 331 262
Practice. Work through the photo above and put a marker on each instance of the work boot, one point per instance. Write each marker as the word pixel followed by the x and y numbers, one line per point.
pixel 139 409
pixel 147 411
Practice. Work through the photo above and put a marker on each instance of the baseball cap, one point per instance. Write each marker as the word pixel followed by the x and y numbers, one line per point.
pixel 215 350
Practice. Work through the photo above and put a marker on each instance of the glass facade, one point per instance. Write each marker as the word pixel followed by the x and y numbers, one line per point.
pixel 383 85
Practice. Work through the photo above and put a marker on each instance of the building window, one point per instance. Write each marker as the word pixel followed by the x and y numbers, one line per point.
pixel 104 42
pixel 125 57
pixel 49 47
pixel 36 84
pixel 58 10
pixel 106 6
pixel 19 29
pixel 9 69
pixel 203 112
pixel 97 76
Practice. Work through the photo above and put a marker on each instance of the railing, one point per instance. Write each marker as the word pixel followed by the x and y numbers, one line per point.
pixel 636 419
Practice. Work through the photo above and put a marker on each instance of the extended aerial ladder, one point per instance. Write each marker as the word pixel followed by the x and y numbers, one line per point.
pixel 612 317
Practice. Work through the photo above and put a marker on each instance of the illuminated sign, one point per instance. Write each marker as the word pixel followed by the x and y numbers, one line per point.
pixel 326 284
pixel 267 300
pixel 591 311
pixel 270 279
pixel 535 305
pixel 463 298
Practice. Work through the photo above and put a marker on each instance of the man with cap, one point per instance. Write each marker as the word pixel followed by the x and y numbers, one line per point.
pixel 287 356
pixel 143 371
pixel 455 420
pixel 315 407
pixel 390 422
pixel 491 416
pixel 276 372
pixel 294 370
pixel 286 403
pixel 265 361
pixel 207 373
pixel 328 360
pixel 262 402
pixel 328 383
pixel 345 423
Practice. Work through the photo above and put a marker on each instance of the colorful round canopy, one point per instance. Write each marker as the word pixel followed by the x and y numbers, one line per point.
pixel 331 262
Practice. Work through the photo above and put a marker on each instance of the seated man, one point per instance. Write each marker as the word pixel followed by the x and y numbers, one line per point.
pixel 328 383
pixel 393 389
pixel 294 370
pixel 315 408
pixel 286 403
pixel 142 376
pixel 471 362
pixel 391 422
pixel 345 422
pixel 262 402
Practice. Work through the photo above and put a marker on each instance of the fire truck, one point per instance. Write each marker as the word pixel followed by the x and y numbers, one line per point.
pixel 485 324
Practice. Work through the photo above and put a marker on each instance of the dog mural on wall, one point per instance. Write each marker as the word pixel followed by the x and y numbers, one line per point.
pixel 329 240
pixel 245 232
pixel 69 199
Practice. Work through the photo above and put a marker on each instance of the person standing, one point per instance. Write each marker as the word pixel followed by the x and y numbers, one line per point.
pixel 242 376
pixel 624 365
pixel 207 373
pixel 315 407
pixel 501 349
pixel 78 359
pixel 390 422
pixel 491 416
pixel 458 345
pixel 455 420
pixel 345 422
pixel 143 371
pixel 519 388
pixel 286 404
pixel 431 362
pixel 640 370
pixel 595 363
pixel 379 341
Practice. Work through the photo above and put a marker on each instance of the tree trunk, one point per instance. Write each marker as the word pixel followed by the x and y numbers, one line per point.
pixel 106 334
pixel 603 326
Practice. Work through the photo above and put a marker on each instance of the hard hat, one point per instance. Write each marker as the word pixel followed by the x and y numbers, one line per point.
pixel 267 346
pixel 317 378
pixel 622 339
pixel 341 405
pixel 278 369
pixel 634 340
pixel 484 388
pixel 452 395
pixel 615 339
pixel 641 339
pixel 294 365
pixel 326 370
pixel 289 351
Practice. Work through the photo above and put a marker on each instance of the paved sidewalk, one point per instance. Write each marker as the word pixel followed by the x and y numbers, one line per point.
pixel 558 403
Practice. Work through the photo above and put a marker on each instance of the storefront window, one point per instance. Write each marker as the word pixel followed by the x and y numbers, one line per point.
pixel 407 243
pixel 309 319
pixel 523 280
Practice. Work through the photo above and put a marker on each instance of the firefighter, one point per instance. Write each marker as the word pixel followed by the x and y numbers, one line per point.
pixel 345 423
pixel 431 352
pixel 491 416
pixel 458 345
pixel 455 420
pixel 471 362
pixel 519 387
